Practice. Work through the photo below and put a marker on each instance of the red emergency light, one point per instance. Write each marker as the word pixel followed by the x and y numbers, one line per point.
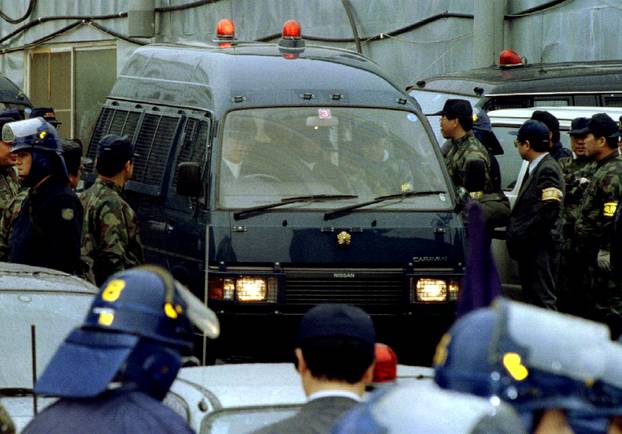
pixel 291 43
pixel 509 58
pixel 225 29
pixel 386 364
pixel 291 30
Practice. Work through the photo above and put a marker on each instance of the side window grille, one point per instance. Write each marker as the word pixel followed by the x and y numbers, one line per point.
pixel 613 101
pixel 152 148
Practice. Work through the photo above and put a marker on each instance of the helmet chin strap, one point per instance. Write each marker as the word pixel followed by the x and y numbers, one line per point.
pixel 44 164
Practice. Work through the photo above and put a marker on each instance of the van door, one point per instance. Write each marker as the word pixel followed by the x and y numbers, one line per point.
pixel 184 219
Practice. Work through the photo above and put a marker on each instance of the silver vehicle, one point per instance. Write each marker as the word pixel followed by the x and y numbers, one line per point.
pixel 39 308
pixel 245 397
pixel 513 168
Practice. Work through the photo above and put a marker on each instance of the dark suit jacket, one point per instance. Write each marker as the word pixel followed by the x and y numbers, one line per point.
pixel 315 417
pixel 534 221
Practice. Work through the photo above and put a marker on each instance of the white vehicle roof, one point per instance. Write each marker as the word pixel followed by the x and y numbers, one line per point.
pixel 565 115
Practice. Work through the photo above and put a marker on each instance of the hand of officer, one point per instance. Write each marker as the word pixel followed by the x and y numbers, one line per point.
pixel 604 260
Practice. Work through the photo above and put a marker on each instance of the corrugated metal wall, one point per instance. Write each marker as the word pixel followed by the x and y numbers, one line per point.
pixel 569 30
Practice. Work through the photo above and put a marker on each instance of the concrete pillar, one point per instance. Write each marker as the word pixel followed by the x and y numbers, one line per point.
pixel 488 34
pixel 141 18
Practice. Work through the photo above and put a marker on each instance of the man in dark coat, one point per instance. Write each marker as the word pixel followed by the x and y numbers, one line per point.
pixel 335 360
pixel 534 232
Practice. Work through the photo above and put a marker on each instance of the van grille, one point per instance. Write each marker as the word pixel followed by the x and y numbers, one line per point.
pixel 374 291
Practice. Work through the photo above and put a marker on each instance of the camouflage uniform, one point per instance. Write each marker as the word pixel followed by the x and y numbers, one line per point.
pixel 9 186
pixel 463 150
pixel 6 424
pixel 9 215
pixel 110 241
pixel 386 177
pixel 577 175
pixel 593 231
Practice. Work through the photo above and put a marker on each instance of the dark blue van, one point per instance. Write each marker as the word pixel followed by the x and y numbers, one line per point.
pixel 272 177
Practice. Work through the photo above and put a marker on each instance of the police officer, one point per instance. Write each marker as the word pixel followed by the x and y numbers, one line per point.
pixel 467 160
pixel 556 149
pixel 594 226
pixel 112 373
pixel 577 171
pixel 534 231
pixel 9 182
pixel 539 361
pixel 48 229
pixel 111 241
pixel 48 115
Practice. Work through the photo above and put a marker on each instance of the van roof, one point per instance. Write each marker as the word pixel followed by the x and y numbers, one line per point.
pixel 542 78
pixel 246 75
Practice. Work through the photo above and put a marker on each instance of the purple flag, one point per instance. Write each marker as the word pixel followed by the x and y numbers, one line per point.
pixel 481 283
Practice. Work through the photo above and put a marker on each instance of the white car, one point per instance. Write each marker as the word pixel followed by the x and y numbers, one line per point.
pixel 245 397
pixel 39 308
pixel 513 168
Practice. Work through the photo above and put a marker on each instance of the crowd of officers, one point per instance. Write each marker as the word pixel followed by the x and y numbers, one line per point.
pixel 43 221
pixel 561 227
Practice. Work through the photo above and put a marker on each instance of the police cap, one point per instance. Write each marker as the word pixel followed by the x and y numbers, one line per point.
pixel 579 127
pixel 535 131
pixel 455 108
pixel 601 125
pixel 46 113
pixel 112 153
pixel 337 320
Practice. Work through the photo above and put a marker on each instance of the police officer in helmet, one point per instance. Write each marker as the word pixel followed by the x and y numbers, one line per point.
pixel 47 231
pixel 113 372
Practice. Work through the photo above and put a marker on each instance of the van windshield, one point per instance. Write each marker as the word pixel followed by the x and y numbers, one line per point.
pixel 270 154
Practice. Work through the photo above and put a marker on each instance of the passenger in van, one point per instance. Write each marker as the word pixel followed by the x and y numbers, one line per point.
pixel 556 149
pixel 379 167
pixel 111 241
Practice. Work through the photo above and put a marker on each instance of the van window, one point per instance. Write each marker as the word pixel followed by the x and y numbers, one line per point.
pixel 273 153
pixel 152 135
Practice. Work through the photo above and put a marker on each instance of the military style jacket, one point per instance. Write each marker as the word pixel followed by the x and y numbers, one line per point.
pixel 9 215
pixel 9 186
pixel 110 241
pixel 463 150
pixel 577 174
pixel 593 228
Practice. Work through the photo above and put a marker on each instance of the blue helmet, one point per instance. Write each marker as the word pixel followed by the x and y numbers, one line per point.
pixel 529 357
pixel 136 327
pixel 41 139
pixel 427 409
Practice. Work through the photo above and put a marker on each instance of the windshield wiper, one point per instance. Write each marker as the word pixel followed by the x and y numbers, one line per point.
pixel 405 194
pixel 287 200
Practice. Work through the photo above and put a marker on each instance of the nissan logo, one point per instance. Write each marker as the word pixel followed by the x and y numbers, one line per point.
pixel 344 275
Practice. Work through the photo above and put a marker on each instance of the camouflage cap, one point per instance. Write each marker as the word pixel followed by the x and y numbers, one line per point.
pixel 579 127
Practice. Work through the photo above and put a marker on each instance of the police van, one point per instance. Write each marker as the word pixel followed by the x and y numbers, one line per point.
pixel 272 177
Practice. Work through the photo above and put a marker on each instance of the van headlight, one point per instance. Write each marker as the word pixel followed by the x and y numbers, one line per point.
pixel 244 289
pixel 425 290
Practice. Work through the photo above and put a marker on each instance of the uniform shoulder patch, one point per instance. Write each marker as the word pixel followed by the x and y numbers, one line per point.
pixel 609 208
pixel 552 193
pixel 67 214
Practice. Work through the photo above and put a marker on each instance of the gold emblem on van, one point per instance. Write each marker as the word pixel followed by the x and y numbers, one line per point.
pixel 344 238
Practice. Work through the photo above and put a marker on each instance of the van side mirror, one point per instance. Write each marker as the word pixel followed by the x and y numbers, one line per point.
pixel 189 179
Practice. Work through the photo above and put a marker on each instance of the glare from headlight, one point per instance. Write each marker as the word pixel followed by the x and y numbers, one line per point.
pixel 429 290
pixel 454 290
pixel 251 289
pixel 228 289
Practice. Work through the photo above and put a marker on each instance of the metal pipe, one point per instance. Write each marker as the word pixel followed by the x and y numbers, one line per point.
pixel 487 30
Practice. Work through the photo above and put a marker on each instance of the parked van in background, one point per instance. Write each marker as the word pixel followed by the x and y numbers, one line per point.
pixel 272 177
pixel 516 84
pixel 513 168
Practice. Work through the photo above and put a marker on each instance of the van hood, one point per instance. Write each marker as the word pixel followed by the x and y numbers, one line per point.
pixel 426 239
